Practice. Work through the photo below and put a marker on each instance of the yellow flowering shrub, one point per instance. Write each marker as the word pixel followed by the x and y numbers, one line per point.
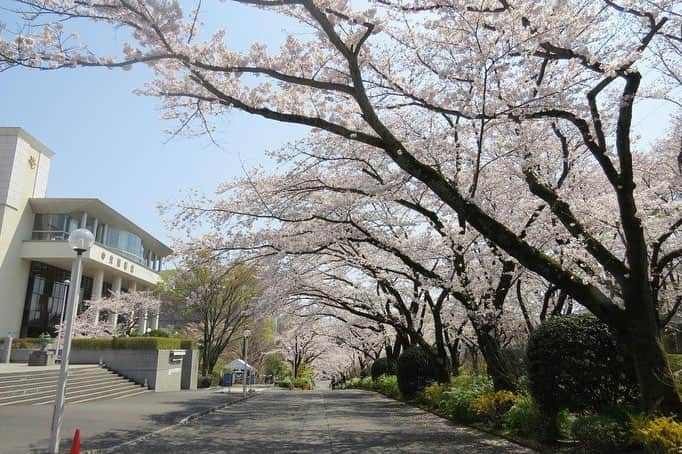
pixel 494 405
pixel 434 393
pixel 661 435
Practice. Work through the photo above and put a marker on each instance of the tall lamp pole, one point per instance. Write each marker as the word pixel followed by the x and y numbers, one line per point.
pixel 58 353
pixel 80 240
pixel 247 333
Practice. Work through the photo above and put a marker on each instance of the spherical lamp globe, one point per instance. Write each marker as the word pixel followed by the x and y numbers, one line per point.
pixel 80 240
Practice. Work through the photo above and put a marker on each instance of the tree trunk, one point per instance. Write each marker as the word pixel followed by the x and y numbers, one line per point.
pixel 656 383
pixel 497 369
pixel 454 358
pixel 473 351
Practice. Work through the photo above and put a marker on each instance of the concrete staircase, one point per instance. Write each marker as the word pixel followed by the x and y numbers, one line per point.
pixel 85 383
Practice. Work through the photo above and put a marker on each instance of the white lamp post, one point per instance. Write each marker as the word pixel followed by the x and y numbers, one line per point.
pixel 80 240
pixel 247 333
pixel 58 353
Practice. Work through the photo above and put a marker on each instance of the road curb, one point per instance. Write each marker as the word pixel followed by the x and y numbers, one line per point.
pixel 180 422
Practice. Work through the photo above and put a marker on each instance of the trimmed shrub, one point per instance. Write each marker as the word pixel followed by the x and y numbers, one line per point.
pixel 660 435
pixel 158 333
pixel 382 366
pixel 304 383
pixel 415 371
pixel 206 381
pixel 367 383
pixel 524 418
pixel 285 383
pixel 458 402
pixel 24 342
pixel 434 393
pixel 603 434
pixel 492 407
pixel 575 363
pixel 353 383
pixel 133 343
pixel 388 386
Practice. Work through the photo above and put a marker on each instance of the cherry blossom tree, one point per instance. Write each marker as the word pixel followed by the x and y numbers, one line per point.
pixel 118 314
pixel 490 76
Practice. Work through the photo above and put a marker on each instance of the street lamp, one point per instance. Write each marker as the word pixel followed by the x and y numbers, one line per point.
pixel 58 353
pixel 80 240
pixel 247 333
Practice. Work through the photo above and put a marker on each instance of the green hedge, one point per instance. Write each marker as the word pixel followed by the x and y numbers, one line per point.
pixel 133 343
pixel 25 342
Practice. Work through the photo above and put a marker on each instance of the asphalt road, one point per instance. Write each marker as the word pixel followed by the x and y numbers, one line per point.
pixel 103 423
pixel 350 421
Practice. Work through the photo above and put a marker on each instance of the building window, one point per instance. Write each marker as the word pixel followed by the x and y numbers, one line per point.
pixel 45 299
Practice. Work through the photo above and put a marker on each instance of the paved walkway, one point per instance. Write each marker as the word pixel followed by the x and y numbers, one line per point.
pixel 103 423
pixel 321 422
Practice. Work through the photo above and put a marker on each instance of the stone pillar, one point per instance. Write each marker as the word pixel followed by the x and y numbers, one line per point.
pixel 84 219
pixel 132 287
pixel 7 349
pixel 116 288
pixel 142 323
pixel 155 321
pixel 97 287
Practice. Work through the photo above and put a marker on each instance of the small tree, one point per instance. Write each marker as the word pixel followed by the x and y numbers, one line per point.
pixel 214 300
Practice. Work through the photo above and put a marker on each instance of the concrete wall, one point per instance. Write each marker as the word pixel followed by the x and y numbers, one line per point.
pixel 157 367
pixel 24 168
pixel 190 369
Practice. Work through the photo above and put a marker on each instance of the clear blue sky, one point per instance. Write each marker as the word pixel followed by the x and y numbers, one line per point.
pixel 109 142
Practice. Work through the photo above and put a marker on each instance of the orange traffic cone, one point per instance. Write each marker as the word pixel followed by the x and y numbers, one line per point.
pixel 76 443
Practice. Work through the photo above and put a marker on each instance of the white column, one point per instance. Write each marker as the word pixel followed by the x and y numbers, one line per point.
pixel 142 322
pixel 97 287
pixel 155 321
pixel 84 219
pixel 132 287
pixel 116 287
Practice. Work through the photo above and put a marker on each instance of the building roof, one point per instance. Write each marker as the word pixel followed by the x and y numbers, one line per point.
pixel 100 210
pixel 238 364
pixel 35 143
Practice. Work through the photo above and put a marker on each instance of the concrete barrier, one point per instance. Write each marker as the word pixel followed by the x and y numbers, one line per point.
pixel 160 370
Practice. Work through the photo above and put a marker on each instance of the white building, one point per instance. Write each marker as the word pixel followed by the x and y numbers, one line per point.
pixel 35 258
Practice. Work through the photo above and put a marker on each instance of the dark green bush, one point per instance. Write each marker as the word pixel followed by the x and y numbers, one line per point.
pixel 206 381
pixel 575 363
pixel 158 333
pixel 602 434
pixel 415 371
pixel 382 366
pixel 133 343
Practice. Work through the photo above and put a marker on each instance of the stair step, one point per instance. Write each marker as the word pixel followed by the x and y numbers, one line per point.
pixel 84 384
pixel 51 387
pixel 93 394
pixel 101 394
pixel 73 377
pixel 6 379
pixel 47 398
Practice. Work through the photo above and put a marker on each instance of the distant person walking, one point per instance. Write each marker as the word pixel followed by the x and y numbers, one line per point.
pixel 333 382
